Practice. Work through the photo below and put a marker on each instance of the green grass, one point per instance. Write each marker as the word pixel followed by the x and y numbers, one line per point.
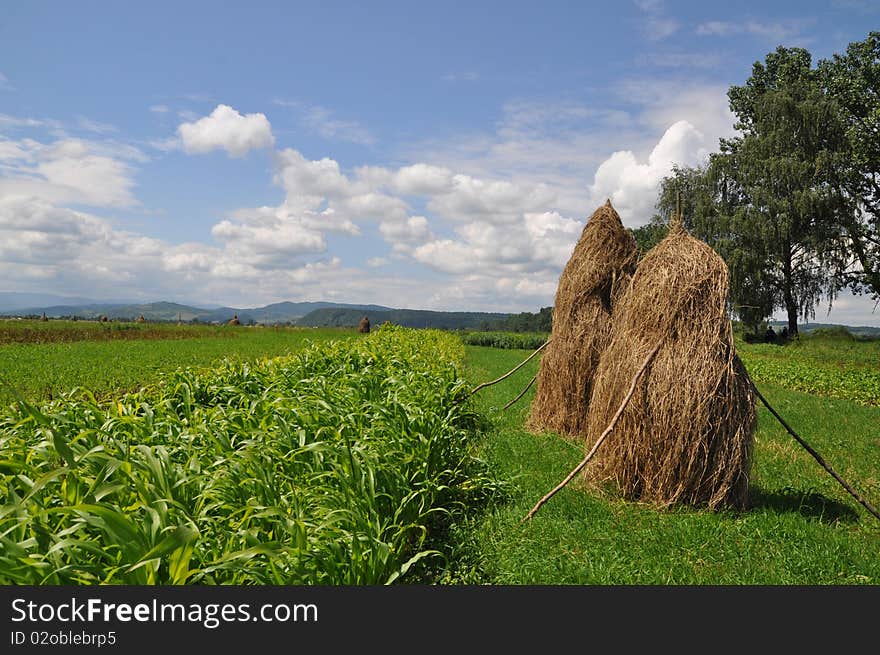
pixel 336 465
pixel 804 528
pixel 40 371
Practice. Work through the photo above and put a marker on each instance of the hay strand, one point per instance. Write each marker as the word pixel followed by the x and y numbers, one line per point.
pixel 599 269
pixel 815 454
pixel 687 435
pixel 577 469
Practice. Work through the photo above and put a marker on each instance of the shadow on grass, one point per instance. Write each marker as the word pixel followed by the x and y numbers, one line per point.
pixel 809 504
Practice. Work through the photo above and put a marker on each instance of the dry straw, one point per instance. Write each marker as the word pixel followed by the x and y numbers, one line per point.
pixel 686 435
pixel 599 268
pixel 364 325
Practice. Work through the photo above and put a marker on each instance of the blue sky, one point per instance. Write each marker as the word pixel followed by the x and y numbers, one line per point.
pixel 424 155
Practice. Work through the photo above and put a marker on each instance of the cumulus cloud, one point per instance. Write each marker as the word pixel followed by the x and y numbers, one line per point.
pixel 69 171
pixel 633 186
pixel 226 129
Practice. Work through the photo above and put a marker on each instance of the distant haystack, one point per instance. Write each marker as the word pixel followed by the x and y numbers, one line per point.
pixel 141 319
pixel 686 435
pixel 44 317
pixel 234 320
pixel 364 325
pixel 104 318
pixel 600 266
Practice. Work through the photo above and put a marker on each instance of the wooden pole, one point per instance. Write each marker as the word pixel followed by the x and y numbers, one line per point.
pixel 510 372
pixel 521 393
pixel 585 460
pixel 816 455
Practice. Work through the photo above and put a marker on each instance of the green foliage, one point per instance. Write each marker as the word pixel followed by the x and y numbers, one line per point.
pixel 334 465
pixel 522 322
pixel 852 79
pixel 778 205
pixel 508 340
pixel 829 362
pixel 648 236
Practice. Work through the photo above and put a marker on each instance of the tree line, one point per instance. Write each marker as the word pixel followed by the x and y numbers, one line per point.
pixel 792 202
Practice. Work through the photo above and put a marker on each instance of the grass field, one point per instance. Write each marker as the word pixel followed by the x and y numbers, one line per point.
pixel 60 355
pixel 803 529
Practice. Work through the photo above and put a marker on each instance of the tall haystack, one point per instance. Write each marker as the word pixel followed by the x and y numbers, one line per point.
pixel 234 320
pixel 599 268
pixel 686 435
pixel 364 325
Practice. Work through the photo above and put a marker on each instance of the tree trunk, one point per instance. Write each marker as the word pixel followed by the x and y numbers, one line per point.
pixel 788 294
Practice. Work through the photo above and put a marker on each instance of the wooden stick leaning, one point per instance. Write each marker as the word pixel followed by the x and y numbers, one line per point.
pixel 510 372
pixel 521 393
pixel 602 437
pixel 816 455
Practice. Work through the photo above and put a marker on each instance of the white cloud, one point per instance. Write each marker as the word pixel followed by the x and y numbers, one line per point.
pixel 159 109
pixel 423 180
pixel 633 186
pixel 12 121
pixel 228 130
pixel 69 171
pixel 776 32
pixel 408 231
pixel 377 262
pixel 657 26
pixel 494 201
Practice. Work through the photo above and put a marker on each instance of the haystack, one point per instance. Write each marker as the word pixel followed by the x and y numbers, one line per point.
pixel 686 435
pixel 599 268
pixel 364 325
pixel 141 319
pixel 234 320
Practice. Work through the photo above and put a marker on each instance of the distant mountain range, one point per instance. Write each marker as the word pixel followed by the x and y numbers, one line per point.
pixel 310 314
pixel 282 312
pixel 415 318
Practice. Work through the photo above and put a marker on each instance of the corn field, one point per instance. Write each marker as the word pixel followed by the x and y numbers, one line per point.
pixel 330 466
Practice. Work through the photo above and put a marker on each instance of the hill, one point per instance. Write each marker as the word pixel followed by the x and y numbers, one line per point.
pixel 415 318
pixel 283 312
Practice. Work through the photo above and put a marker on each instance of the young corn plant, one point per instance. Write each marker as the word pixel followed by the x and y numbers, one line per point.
pixel 334 465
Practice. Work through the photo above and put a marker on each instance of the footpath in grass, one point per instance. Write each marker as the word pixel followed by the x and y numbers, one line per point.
pixel 803 529
pixel 40 371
